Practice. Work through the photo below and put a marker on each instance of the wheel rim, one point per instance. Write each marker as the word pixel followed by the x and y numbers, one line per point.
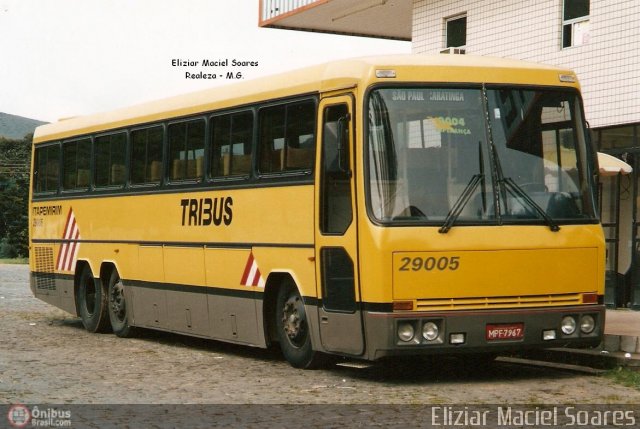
pixel 118 304
pixel 293 321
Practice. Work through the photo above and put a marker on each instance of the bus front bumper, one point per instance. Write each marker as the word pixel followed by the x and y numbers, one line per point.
pixel 482 331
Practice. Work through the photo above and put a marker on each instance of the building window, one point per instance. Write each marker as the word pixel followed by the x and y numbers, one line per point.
pixel 455 31
pixel 575 23
pixel 621 137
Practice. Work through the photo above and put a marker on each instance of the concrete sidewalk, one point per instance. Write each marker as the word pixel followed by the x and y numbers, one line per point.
pixel 622 332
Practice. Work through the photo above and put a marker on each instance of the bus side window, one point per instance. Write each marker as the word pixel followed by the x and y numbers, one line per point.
pixel 76 158
pixel 272 137
pixel 47 169
pixel 287 139
pixel 231 145
pixel 186 150
pixel 146 155
pixel 300 149
pixel 110 160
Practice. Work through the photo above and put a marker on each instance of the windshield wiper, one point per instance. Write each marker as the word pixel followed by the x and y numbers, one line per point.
pixel 517 191
pixel 461 202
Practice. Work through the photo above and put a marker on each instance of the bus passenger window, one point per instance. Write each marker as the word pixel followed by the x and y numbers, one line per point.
pixel 186 149
pixel 109 160
pixel 146 155
pixel 47 169
pixel 76 156
pixel 231 145
pixel 287 138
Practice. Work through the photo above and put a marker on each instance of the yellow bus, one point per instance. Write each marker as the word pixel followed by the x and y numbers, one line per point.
pixel 373 207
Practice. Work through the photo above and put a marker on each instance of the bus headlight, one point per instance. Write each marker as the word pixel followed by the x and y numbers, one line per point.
pixel 568 325
pixel 430 331
pixel 587 324
pixel 405 332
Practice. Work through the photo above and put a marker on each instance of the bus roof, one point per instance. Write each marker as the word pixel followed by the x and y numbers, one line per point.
pixel 330 76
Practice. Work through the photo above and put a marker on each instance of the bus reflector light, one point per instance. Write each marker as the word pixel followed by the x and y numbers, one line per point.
pixel 385 73
pixel 549 335
pixel 457 338
pixel 589 298
pixel 402 305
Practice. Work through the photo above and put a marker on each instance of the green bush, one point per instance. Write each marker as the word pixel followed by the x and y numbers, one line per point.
pixel 15 159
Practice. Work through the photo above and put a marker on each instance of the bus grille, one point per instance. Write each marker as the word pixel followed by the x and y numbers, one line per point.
pixel 432 304
pixel 44 268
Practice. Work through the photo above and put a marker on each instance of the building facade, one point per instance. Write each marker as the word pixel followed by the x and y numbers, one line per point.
pixel 598 39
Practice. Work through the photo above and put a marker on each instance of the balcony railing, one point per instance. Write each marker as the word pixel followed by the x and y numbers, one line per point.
pixel 274 8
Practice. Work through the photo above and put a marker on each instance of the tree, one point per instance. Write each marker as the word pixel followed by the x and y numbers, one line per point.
pixel 15 159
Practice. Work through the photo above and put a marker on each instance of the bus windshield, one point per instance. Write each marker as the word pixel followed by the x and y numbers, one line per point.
pixel 477 155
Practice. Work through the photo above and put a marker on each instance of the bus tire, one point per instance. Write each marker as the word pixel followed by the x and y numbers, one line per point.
pixel 91 301
pixel 293 329
pixel 118 308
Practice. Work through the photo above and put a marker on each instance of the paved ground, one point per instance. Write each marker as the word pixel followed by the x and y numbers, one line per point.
pixel 46 357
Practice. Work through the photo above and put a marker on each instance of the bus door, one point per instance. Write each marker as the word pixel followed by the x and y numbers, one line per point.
pixel 339 311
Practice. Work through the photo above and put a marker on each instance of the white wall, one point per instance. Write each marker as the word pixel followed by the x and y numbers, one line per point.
pixel 608 66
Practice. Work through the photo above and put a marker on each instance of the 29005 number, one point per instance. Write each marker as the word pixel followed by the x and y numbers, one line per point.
pixel 431 263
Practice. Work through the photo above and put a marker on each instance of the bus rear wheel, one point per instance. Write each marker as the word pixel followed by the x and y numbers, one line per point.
pixel 118 309
pixel 91 301
pixel 293 329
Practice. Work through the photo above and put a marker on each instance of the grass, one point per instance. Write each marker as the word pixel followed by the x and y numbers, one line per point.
pixel 14 261
pixel 625 376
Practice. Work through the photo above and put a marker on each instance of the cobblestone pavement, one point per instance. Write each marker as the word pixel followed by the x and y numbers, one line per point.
pixel 46 357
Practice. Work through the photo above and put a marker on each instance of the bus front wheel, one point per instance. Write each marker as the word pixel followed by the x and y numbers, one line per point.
pixel 91 301
pixel 118 309
pixel 293 329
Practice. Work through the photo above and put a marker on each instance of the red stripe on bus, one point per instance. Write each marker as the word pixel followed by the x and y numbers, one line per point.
pixel 63 247
pixel 247 269
pixel 69 253
pixel 72 248
pixel 256 278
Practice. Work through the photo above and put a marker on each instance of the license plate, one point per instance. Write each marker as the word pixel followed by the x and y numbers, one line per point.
pixel 511 331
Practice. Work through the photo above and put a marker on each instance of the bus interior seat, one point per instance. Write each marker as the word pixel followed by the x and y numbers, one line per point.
pixel 117 174
pixel 299 158
pixel 240 164
pixel 199 161
pixel 83 178
pixel 155 171
pixel 177 169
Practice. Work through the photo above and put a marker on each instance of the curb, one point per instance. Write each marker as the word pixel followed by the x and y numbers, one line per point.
pixel 621 343
pixel 614 351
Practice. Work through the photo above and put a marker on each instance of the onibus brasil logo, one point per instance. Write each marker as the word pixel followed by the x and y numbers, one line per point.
pixel 20 416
